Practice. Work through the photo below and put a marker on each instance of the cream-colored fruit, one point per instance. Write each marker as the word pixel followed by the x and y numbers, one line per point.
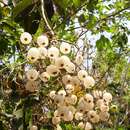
pixel 53 53
pixel 44 76
pixel 78 116
pixel 52 70
pixel 25 38
pixel 43 40
pixel 43 52
pixel 34 127
pixel 32 74
pixel 65 48
pixel 33 54
pixel 89 82
pixel 82 74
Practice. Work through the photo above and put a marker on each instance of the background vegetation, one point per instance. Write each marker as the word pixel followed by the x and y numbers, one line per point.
pixel 100 28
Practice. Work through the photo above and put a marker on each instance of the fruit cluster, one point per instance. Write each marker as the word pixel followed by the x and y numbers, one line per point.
pixel 90 107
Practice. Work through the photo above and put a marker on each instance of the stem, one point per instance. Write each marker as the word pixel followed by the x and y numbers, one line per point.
pixel 103 19
pixel 44 17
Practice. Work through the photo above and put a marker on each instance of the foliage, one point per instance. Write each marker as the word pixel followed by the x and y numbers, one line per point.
pixel 74 21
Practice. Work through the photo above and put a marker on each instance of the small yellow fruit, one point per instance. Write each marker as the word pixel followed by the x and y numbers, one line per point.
pixel 114 108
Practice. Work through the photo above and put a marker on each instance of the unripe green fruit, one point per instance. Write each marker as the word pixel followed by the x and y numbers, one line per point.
pixel 114 108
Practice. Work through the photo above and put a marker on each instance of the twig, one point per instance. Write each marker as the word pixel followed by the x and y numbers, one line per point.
pixel 116 13
pixel 14 2
pixel 108 69
pixel 1 1
pixel 44 17
pixel 103 19
pixel 2 114
pixel 17 65
pixel 70 17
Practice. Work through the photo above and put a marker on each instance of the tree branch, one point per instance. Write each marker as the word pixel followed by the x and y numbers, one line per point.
pixel 103 19
pixel 44 17
pixel 116 13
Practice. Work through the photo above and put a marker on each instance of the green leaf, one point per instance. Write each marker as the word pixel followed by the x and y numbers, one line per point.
pixel 92 22
pixel 3 46
pixel 91 5
pixel 18 113
pixel 66 126
pixel 121 128
pixel 21 6
pixel 69 127
pixel 28 115
pixel 76 3
pixel 62 3
pixel 40 29
pixel 103 42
